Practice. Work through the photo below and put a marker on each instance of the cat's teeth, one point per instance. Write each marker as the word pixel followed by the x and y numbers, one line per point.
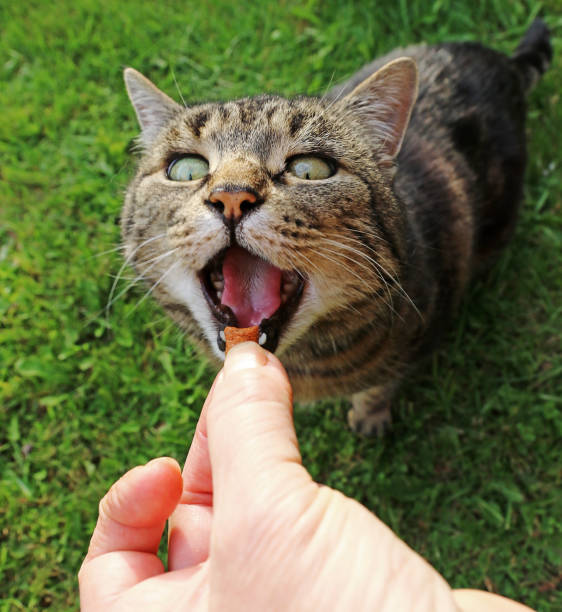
pixel 219 295
pixel 218 285
pixel 262 339
pixel 222 335
pixel 287 289
pixel 217 279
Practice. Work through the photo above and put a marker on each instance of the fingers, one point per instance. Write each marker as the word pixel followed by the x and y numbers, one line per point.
pixel 133 513
pixel 252 443
pixel 131 520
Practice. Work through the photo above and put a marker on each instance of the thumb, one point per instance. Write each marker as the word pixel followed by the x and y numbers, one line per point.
pixel 252 442
pixel 124 544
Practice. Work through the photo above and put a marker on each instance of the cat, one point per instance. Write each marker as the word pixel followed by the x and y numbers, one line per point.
pixel 347 227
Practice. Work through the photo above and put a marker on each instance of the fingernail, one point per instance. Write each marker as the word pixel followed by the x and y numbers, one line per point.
pixel 162 460
pixel 245 356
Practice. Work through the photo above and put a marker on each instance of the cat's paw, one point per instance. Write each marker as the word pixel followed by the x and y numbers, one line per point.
pixel 370 424
pixel 370 414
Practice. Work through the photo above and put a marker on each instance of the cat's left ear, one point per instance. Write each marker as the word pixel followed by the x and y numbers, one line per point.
pixel 384 102
pixel 153 107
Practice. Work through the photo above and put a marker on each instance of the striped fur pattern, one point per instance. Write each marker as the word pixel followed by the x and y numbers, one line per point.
pixel 386 245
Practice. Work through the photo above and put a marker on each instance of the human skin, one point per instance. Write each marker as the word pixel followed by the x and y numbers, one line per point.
pixel 248 527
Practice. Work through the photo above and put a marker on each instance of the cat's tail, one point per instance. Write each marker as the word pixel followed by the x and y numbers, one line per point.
pixel 533 54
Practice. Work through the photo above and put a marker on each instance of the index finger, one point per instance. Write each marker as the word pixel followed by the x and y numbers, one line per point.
pixel 253 446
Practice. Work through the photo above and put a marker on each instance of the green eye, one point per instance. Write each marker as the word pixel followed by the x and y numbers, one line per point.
pixel 310 168
pixel 189 168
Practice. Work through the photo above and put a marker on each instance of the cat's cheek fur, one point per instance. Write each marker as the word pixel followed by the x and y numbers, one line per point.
pixel 198 243
pixel 184 288
pixel 308 311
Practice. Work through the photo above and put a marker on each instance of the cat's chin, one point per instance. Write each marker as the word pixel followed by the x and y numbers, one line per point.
pixel 243 290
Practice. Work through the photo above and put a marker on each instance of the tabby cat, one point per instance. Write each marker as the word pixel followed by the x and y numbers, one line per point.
pixel 347 227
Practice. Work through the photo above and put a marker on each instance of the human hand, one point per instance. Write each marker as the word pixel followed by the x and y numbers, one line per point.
pixel 249 528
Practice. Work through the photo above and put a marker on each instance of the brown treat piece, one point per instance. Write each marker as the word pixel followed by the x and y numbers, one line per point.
pixel 236 335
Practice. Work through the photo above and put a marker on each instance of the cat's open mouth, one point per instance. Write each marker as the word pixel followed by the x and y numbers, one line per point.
pixel 243 290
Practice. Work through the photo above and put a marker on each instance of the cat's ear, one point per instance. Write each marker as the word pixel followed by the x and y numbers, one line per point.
pixel 153 107
pixel 384 102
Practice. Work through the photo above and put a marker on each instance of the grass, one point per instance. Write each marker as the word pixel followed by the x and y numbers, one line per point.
pixel 470 475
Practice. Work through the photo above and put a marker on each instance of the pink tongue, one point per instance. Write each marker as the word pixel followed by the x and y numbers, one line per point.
pixel 252 287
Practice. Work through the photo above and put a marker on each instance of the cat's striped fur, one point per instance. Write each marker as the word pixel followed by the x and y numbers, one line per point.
pixel 386 245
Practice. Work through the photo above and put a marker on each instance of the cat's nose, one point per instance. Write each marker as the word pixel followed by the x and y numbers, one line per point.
pixel 233 203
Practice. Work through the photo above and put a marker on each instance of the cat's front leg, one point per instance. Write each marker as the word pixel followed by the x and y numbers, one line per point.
pixel 370 414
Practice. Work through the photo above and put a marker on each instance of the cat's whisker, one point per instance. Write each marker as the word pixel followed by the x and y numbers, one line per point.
pixel 332 99
pixel 120 247
pixel 364 266
pixel 166 329
pixel 389 302
pixel 155 322
pixel 141 276
pixel 156 258
pixel 328 87
pixel 122 277
pixel 354 251
pixel 294 256
pixel 133 282
pixel 124 265
pixel 366 288
pixel 381 268
pixel 326 254
pixel 370 233
pixel 369 269
pixel 331 103
pixel 162 277
pixel 178 88
pixel 312 264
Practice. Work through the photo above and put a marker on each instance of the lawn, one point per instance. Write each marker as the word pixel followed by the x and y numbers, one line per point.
pixel 470 474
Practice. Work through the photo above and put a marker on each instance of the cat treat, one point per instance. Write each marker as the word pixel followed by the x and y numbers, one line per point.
pixel 236 335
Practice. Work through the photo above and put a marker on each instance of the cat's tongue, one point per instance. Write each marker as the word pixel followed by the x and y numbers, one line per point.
pixel 252 287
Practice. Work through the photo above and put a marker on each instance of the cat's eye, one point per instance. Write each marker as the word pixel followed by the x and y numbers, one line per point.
pixel 188 168
pixel 310 168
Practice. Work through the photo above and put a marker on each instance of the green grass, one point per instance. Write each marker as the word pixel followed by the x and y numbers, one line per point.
pixel 470 475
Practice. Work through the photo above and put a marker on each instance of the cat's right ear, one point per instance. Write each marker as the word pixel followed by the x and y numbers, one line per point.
pixel 153 107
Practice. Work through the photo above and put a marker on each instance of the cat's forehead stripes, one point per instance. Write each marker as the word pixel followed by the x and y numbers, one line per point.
pixel 286 117
pixel 268 128
pixel 197 121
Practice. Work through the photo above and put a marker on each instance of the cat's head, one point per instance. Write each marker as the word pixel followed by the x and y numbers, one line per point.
pixel 267 211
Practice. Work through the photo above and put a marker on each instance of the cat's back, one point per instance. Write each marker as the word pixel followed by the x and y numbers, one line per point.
pixel 463 148
pixel 460 170
pixel 463 157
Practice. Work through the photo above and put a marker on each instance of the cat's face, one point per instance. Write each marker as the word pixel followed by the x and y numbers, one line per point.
pixel 264 211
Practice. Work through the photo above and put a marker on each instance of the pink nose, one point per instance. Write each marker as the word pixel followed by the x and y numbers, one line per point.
pixel 233 204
